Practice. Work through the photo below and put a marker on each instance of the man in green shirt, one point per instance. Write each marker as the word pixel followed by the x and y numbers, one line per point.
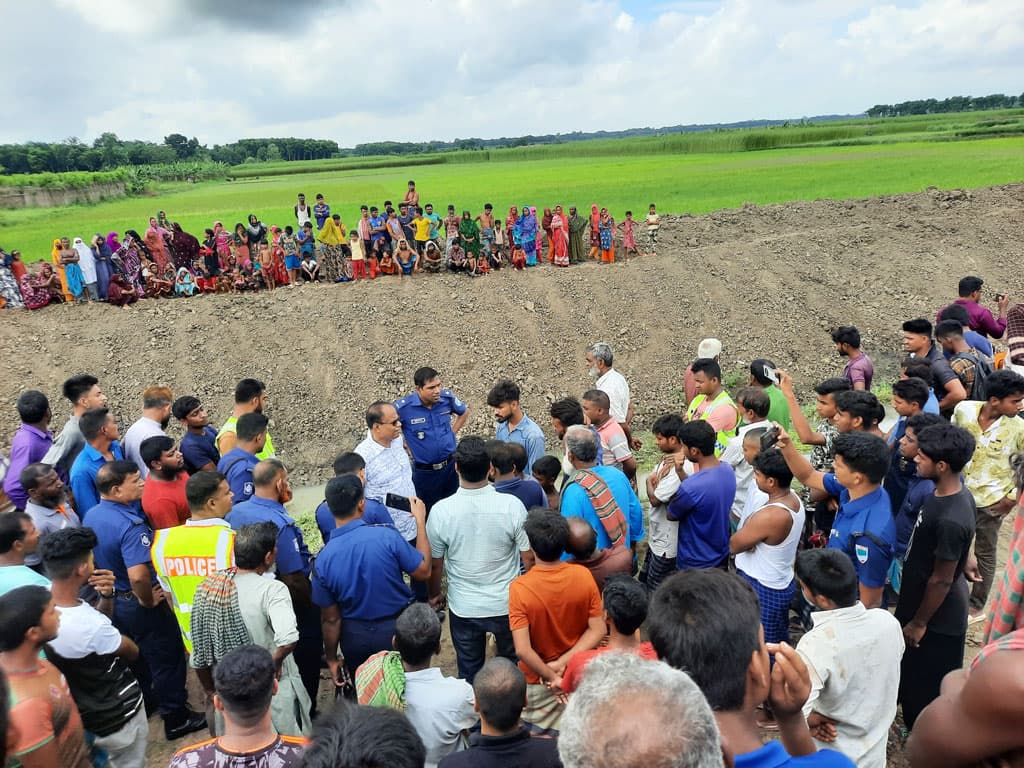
pixel 764 375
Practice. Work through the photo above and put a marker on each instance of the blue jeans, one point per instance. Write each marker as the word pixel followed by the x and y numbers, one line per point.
pixel 469 637
pixel 156 632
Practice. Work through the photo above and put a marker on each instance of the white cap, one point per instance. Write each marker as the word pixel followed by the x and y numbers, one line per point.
pixel 709 348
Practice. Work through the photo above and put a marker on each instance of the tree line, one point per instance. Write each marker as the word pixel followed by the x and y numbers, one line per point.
pixel 952 104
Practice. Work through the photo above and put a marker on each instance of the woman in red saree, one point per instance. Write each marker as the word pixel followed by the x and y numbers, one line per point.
pixel 156 244
pixel 559 239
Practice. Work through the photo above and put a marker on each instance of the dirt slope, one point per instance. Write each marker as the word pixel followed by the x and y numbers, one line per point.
pixel 768 280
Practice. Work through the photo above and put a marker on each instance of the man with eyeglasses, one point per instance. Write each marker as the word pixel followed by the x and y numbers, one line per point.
pixel 388 469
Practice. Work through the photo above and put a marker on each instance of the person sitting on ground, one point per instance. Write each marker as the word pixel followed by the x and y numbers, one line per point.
pixel 555 613
pixel 859 370
pixel 89 651
pixel 499 691
pixel 546 471
pixel 972 368
pixel 764 375
pixel 582 550
pixel 44 720
pixel 199 445
pixel 853 658
pixel 440 708
pixel 357 737
pixel 614 443
pixel 863 527
pixel 505 479
pixel 310 267
pixel 601 495
pixel 458 261
pixel 712 403
pixel 406 257
pixel 725 653
pixel 755 406
pixel 702 503
pixel 386 263
pixel 245 685
pixel 669 723
pixel 625 610
pixel 765 545
pixel 163 498
pixel 433 259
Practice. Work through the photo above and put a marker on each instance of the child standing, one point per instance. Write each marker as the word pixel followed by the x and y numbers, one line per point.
pixel 305 240
pixel 606 233
pixel 266 265
pixel 290 247
pixel 358 256
pixel 629 236
pixel 653 223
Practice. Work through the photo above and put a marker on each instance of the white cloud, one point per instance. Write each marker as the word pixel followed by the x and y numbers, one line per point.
pixel 405 70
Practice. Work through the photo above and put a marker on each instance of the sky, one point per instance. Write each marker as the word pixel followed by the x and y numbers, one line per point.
pixel 373 70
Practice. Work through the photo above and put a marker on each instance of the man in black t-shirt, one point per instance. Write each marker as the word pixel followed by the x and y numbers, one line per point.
pixel 933 597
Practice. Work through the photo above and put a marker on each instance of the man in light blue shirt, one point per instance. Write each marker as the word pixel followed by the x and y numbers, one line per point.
pixel 513 425
pixel 100 432
pixel 18 537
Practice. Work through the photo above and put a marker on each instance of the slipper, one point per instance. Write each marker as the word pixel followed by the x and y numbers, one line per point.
pixel 971 620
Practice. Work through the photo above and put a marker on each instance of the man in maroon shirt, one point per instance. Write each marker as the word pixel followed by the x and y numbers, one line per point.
pixel 981 318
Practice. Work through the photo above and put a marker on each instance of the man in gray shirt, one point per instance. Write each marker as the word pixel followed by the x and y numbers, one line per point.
pixel 84 393
pixel 47 504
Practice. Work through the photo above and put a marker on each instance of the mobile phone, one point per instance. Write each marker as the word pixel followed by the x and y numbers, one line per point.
pixel 770 438
pixel 395 501
pixel 771 375
pixel 1000 296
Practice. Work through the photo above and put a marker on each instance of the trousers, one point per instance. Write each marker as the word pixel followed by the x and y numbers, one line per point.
pixel 156 632
pixel 469 637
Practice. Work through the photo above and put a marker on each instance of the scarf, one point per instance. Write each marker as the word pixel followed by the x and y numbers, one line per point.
pixel 330 234
pixel 1015 333
pixel 469 228
pixel 380 681
pixel 604 504
pixel 217 625
pixel 595 216
pixel 112 242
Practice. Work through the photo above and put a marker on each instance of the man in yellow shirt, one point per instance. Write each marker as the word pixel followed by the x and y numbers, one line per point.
pixel 421 232
pixel 998 434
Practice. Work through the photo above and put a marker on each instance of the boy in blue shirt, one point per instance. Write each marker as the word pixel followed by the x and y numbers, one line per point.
pixel 199 445
pixel 864 528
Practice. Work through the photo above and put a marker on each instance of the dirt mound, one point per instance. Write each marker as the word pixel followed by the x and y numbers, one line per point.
pixel 768 280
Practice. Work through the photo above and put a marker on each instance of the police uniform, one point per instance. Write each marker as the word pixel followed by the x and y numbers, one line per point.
pixel 236 465
pixel 124 540
pixel 292 557
pixel 361 571
pixel 429 435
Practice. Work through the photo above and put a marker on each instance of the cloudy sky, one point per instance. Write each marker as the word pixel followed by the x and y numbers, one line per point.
pixel 366 70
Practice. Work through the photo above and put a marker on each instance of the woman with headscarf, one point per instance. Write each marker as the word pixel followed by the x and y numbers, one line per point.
pixel 156 244
pixel 185 248
pixel 469 234
pixel 128 261
pixel 545 224
pixel 257 232
pixel 87 263
pixel 9 290
pixel 606 233
pixel 528 235
pixel 140 244
pixel 113 242
pixel 222 243
pixel 510 225
pixel 102 253
pixel 332 264
pixel 119 292
pixel 595 232
pixel 243 250
pixel 184 282
pixel 163 222
pixel 41 289
pixel 65 262
pixel 559 239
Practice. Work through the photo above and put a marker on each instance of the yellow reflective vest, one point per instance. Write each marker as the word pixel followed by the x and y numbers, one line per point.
pixel 185 555
pixel 722 400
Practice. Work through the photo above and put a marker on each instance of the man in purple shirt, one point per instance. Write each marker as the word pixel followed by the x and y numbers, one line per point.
pixel 31 442
pixel 859 369
pixel 981 318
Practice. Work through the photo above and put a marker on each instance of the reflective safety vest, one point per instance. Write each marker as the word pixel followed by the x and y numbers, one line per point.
pixel 723 399
pixel 231 425
pixel 185 555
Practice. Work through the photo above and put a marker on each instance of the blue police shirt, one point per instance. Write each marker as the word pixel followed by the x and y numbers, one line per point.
pixel 236 465
pixel 528 435
pixel 428 431
pixel 374 513
pixel 82 477
pixel 919 491
pixel 292 553
pixel 124 540
pixel 200 450
pixel 864 529
pixel 576 503
pixel 360 570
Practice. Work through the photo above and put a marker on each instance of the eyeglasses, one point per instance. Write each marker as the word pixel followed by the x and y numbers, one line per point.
pixel 394 423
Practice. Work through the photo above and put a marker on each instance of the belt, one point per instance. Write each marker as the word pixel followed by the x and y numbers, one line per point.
pixel 125 594
pixel 435 467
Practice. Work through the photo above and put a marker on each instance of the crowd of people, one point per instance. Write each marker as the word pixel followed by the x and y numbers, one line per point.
pixel 618 640
pixel 120 269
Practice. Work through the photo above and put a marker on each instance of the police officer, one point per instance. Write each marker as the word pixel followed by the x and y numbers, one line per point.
pixel 429 434
pixel 140 608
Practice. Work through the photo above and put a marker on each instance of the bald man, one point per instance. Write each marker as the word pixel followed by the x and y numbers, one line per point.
pixel 601 563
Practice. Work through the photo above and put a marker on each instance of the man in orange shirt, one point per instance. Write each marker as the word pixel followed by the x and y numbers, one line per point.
pixel 163 498
pixel 554 612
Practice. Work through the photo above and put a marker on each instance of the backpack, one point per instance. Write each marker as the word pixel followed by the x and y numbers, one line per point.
pixel 982 370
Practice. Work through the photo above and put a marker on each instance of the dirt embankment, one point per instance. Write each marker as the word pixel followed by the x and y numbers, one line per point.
pixel 768 280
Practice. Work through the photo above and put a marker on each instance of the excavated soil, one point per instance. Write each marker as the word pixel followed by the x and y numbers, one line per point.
pixel 767 280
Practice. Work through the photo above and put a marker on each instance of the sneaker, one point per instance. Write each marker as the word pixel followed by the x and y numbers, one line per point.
pixel 183 723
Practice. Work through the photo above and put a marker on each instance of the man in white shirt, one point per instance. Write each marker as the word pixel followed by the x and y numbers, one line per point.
pixel 156 415
pixel 614 384
pixel 388 469
pixel 753 404
pixel 477 539
pixel 662 484
pixel 853 657
pixel 440 708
